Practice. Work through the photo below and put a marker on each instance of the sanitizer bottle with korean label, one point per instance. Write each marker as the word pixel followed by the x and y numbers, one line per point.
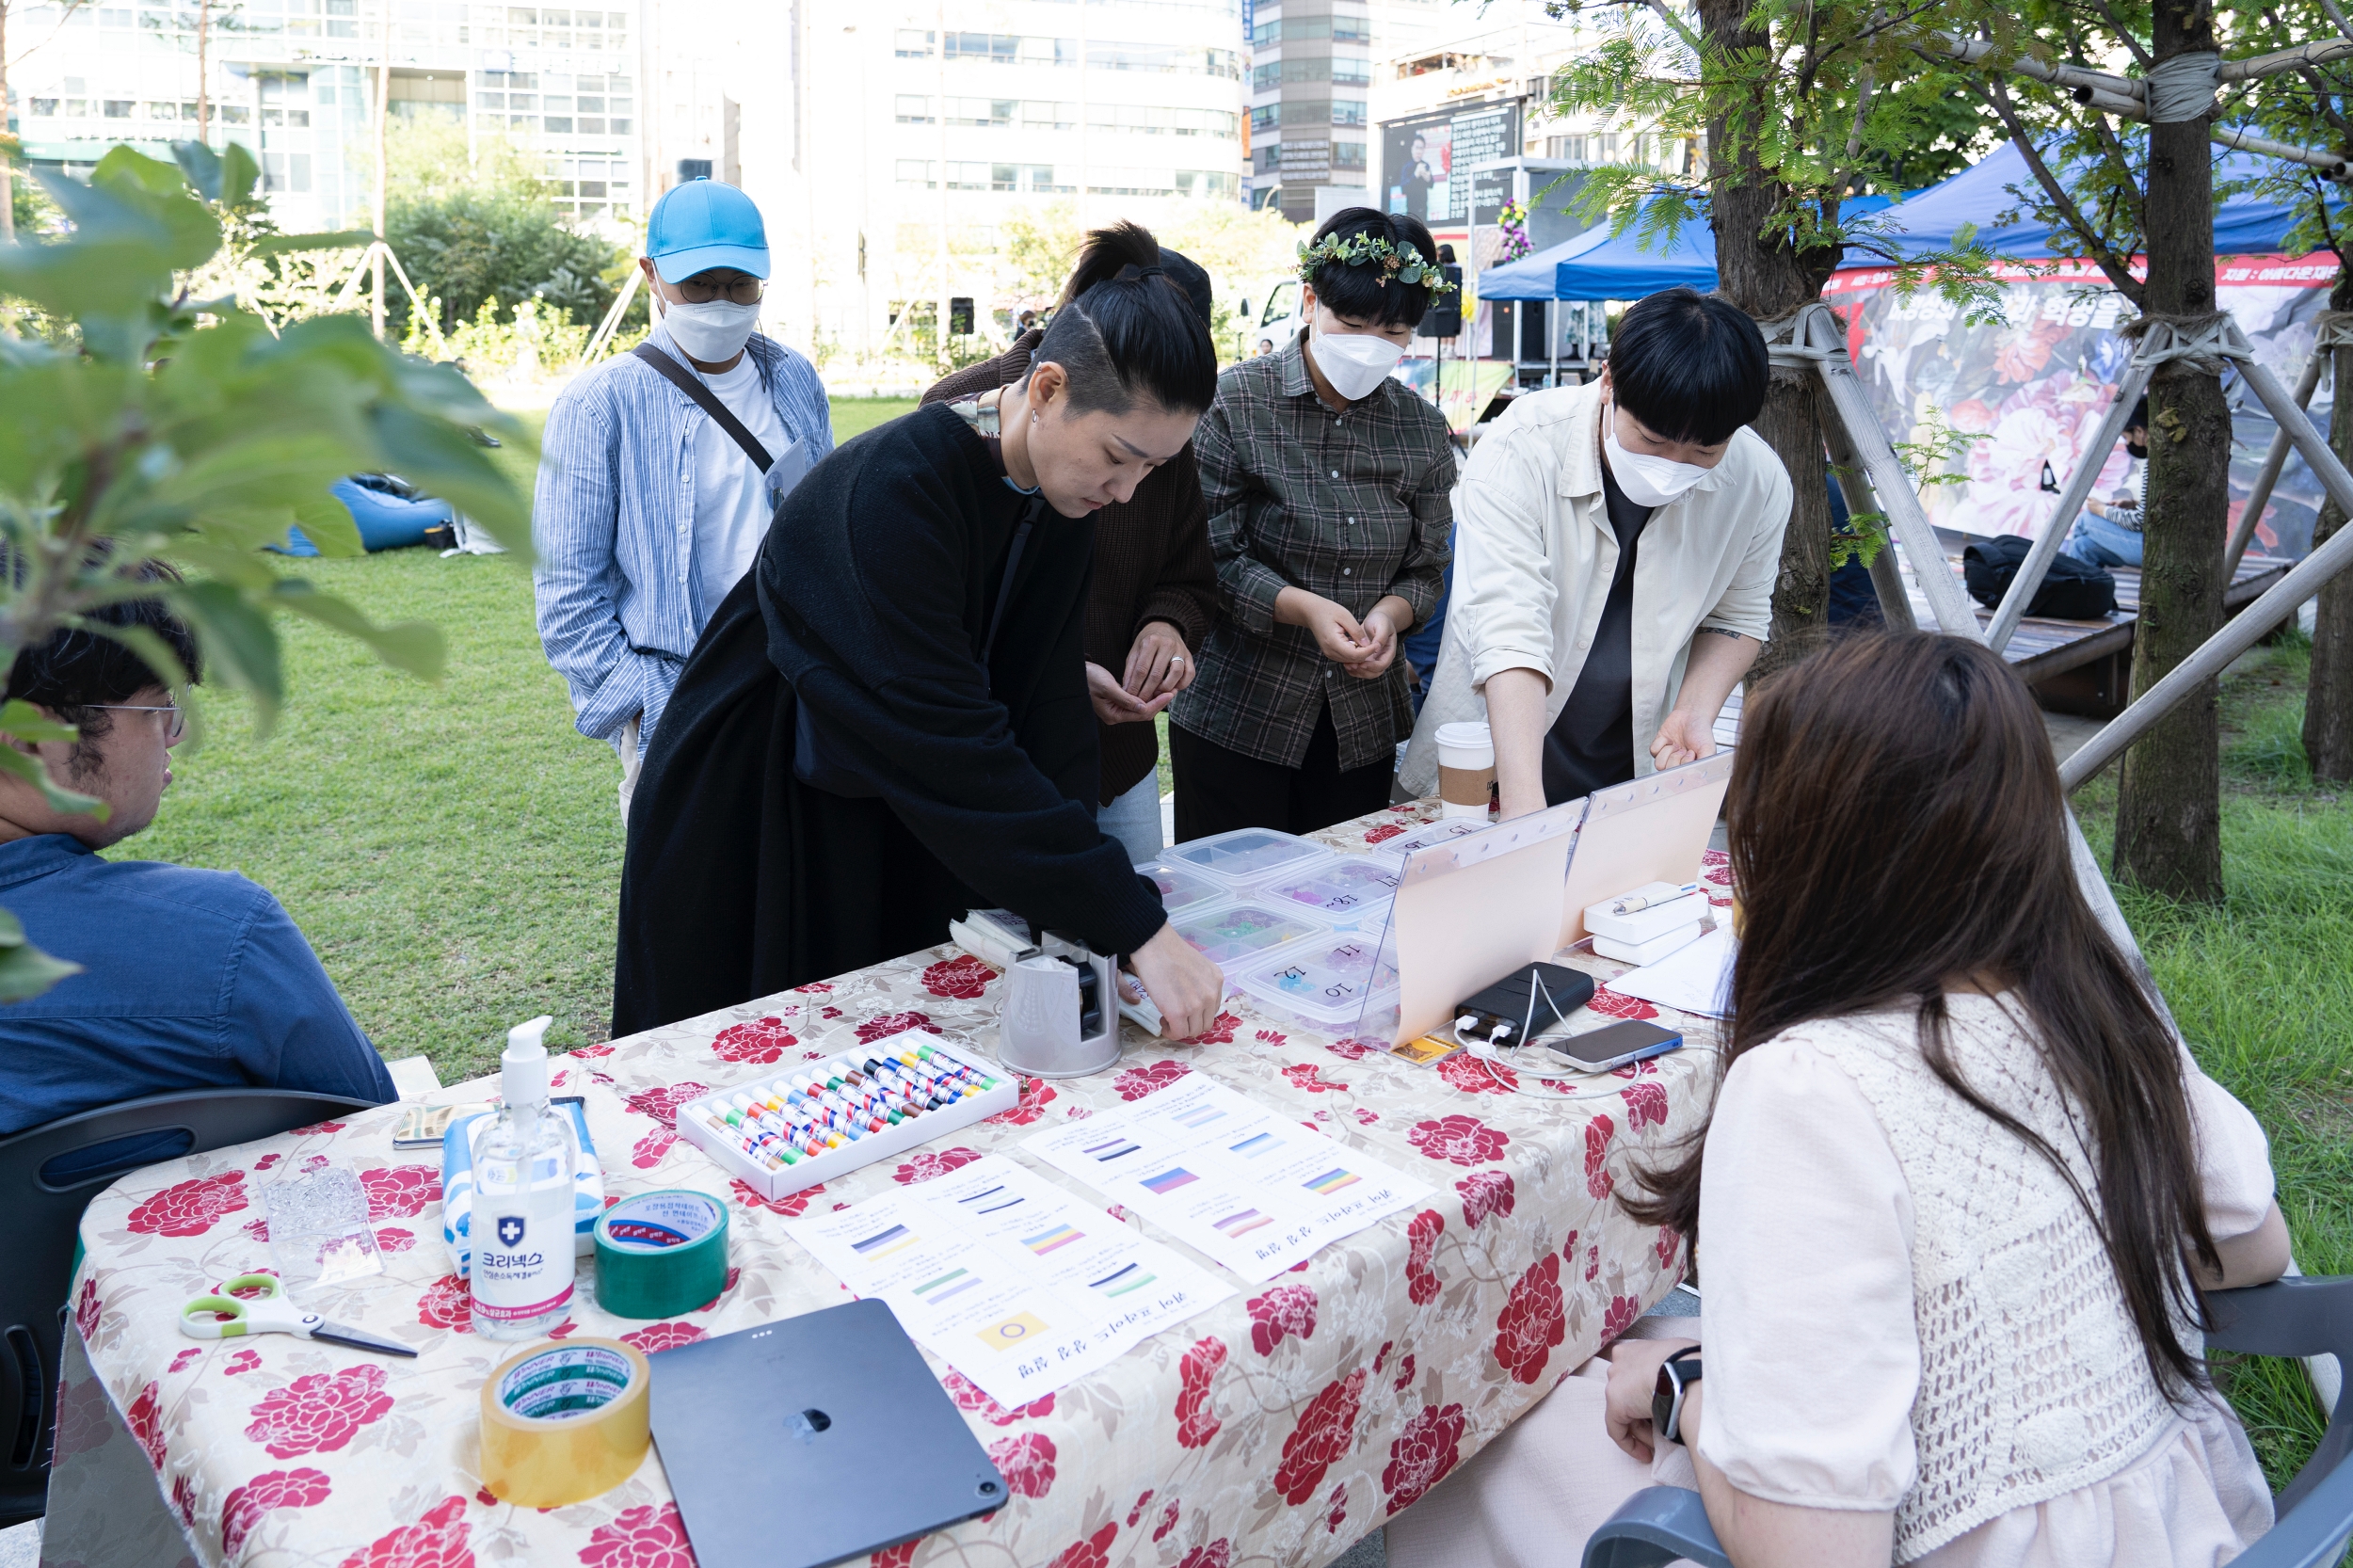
pixel 521 1231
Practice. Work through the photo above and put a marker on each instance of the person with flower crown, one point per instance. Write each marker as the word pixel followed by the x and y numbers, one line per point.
pixel 1327 485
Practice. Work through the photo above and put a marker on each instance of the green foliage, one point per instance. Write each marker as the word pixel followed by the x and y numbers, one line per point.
pixel 484 232
pixel 2310 107
pixel 156 424
pixel 1811 103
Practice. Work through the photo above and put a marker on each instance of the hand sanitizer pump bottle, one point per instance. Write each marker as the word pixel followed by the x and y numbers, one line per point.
pixel 521 1273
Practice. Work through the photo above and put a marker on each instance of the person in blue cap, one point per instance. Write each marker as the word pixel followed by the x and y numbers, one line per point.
pixel 659 469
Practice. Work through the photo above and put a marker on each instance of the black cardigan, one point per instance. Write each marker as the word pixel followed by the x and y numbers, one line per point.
pixel 870 604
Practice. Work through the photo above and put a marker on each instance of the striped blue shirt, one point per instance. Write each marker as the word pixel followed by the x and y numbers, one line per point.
pixel 613 521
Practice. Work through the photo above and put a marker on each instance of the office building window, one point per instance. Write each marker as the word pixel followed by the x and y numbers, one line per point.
pixel 1348 111
pixel 914 109
pixel 1164 57
pixel 1265 117
pixel 912 45
pixel 44 108
pixel 915 172
pixel 1347 154
pixel 981 113
pixel 118 108
pixel 1355 74
pixel 286 171
pixel 1146 120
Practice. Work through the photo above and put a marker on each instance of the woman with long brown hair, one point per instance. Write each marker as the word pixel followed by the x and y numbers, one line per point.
pixel 1958 1202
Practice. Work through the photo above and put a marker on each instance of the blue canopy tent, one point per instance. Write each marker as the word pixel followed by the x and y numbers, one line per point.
pixel 1596 265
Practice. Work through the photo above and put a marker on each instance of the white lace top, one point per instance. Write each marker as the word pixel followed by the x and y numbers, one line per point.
pixel 1907 1308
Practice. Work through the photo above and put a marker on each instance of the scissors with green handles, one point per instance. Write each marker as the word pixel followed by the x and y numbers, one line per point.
pixel 266 1311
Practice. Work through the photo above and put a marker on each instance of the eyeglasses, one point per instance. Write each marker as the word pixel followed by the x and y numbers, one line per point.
pixel 174 726
pixel 743 291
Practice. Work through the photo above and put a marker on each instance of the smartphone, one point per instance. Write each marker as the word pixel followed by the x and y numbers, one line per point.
pixel 1614 1045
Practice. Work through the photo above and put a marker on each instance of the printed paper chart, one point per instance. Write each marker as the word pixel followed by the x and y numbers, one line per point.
pixel 1017 1284
pixel 1249 1188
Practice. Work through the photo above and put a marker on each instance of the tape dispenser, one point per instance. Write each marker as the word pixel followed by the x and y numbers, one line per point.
pixel 1059 1017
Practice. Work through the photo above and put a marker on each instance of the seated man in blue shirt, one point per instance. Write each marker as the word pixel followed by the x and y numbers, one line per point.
pixel 189 979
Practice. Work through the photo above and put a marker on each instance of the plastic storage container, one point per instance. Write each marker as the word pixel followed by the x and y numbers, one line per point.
pixel 1245 857
pixel 1324 987
pixel 1232 933
pixel 1346 889
pixel 1183 890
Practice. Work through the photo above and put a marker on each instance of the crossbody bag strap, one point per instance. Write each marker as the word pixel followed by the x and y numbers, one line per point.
pixel 687 382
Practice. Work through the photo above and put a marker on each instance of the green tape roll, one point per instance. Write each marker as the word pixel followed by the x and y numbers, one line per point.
pixel 661 1254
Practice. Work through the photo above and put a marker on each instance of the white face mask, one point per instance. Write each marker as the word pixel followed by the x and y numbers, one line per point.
pixel 711 333
pixel 1353 362
pixel 1647 481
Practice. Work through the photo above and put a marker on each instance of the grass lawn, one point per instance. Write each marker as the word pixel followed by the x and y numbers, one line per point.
pixel 2260 989
pixel 454 853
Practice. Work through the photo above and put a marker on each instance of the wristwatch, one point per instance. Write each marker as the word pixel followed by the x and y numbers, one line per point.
pixel 1675 1376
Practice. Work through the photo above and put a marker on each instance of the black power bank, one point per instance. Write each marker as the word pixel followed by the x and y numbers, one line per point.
pixel 1527 1000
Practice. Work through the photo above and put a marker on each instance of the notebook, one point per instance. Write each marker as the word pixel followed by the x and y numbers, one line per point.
pixel 814 1440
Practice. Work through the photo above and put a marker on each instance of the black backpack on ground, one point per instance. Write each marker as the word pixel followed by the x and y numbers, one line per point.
pixel 2071 590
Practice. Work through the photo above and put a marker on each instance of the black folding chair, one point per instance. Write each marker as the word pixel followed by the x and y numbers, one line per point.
pixel 46 1214
pixel 2288 1317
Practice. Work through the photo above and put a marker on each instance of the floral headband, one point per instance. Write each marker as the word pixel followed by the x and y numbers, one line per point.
pixel 1400 264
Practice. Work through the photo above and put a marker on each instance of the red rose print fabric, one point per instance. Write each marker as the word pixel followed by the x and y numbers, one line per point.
pixel 244 1361
pixel 1533 1322
pixel 1308 1076
pixel 319 1412
pixel 660 1102
pixel 1286 1309
pixel 393 1239
pixel 1093 1552
pixel 762 1041
pixel 1136 1083
pixel 1421 1242
pixel 641 1537
pixel 1217 1554
pixel 969 1396
pixel 1598 1181
pixel 792 1205
pixel 245 1506
pixel 447 1304
pixel 1220 1032
pixel 661 1337
pixel 959 979
pixel 86 1309
pixel 190 1207
pixel 1485 1194
pixel 399 1191
pixel 1337 1510
pixel 145 1420
pixel 1036 1094
pixel 900 1556
pixel 1645 1104
pixel 1621 1315
pixel 1383 834
pixel 1404 1375
pixel 1476 1076
pixel 1423 1455
pixel 82 1419
pixel 1609 1004
pixel 928 1163
pixel 1027 1462
pixel 1322 1439
pixel 1460 1140
pixel 1354 1050
pixel 1196 1418
pixel 893 1023
pixel 436 1540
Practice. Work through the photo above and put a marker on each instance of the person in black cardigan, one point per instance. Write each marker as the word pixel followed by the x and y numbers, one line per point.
pixel 887 722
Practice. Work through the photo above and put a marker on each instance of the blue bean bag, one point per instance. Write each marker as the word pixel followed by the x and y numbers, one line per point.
pixel 386 520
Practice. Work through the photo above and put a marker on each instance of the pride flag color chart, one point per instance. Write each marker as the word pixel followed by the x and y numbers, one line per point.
pixel 1252 1190
pixel 1017 1284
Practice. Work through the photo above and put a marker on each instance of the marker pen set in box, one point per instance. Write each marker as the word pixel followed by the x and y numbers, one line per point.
pixel 845 1100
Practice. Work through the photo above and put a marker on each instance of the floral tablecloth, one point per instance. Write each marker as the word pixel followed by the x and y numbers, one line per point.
pixel 1276 1428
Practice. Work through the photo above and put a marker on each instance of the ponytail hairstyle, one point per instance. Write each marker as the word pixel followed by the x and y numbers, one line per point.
pixel 1371 293
pixel 1125 332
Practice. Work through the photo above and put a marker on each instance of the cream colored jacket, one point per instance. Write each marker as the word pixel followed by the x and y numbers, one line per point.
pixel 1534 555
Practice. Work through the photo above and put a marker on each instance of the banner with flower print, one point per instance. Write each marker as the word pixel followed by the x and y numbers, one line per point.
pixel 1275 1427
pixel 2031 387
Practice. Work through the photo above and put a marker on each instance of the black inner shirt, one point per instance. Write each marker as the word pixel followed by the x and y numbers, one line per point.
pixel 1590 745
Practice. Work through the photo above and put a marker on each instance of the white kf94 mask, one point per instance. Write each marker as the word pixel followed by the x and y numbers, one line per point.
pixel 1354 362
pixel 712 332
pixel 1647 481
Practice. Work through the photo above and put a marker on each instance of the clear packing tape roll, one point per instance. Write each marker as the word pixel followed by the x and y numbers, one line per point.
pixel 565 1421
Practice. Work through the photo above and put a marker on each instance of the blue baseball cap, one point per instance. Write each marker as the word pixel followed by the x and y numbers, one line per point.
pixel 703 224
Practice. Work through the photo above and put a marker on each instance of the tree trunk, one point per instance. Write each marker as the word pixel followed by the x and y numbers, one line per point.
pixel 2328 697
pixel 1766 276
pixel 2168 832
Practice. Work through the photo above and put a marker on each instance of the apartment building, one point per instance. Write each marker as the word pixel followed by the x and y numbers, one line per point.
pixel 295 82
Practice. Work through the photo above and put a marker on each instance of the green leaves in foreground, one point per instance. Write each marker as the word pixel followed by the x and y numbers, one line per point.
pixel 148 426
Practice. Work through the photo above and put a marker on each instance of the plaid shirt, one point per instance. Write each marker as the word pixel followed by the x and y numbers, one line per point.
pixel 1351 507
